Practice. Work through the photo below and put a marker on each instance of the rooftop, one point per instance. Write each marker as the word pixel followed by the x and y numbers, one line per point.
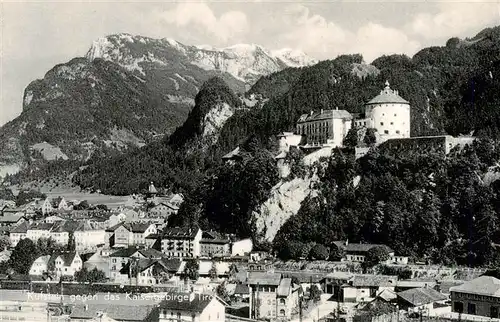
pixel 119 312
pixel 388 95
pixel 484 285
pixel 325 114
pixel 285 287
pixel 369 280
pixel 178 302
pixel 359 248
pixel 421 296
pixel 264 278
pixel 179 233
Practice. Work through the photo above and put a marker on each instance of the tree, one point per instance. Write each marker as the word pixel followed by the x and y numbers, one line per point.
pixel 319 252
pixel 221 292
pixel 4 242
pixel 314 293
pixel 336 253
pixel 71 242
pixel 93 276
pixel 6 194
pixel 191 270
pixel 375 255
pixel 370 139
pixel 351 139
pixel 23 256
pixel 48 246
pixel 83 205
pixel 293 250
pixel 26 196
pixel 213 272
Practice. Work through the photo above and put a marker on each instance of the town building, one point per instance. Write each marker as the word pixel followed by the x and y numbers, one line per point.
pixel 51 205
pixel 388 113
pixel 151 271
pixel 39 266
pixel 181 242
pixel 99 260
pixel 424 300
pixel 324 128
pixel 67 264
pixel 17 233
pixel 289 139
pixel 271 296
pixel 164 210
pixel 118 260
pixel 355 252
pixel 214 245
pixel 480 296
pixel 62 264
pixel 8 220
pixel 194 307
pixel 129 234
pixel 111 312
pixel 366 287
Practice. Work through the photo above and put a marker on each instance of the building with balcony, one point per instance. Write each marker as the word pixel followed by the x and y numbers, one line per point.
pixel 181 242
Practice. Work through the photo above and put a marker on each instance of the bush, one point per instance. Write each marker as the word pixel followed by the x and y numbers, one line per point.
pixel 319 252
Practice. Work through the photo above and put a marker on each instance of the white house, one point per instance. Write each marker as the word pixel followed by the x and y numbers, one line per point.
pixel 195 307
pixel 88 236
pixel 39 266
pixel 17 233
pixel 325 128
pixel 67 264
pixel 129 234
pixel 287 140
pixel 181 242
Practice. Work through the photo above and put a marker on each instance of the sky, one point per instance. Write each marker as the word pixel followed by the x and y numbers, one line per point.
pixel 35 35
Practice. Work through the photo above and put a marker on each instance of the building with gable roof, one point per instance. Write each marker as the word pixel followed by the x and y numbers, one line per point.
pixel 212 244
pixel 366 287
pixel 129 234
pixel 480 296
pixel 62 264
pixel 422 300
pixel 17 233
pixel 272 296
pixel 126 312
pixel 151 271
pixel 196 307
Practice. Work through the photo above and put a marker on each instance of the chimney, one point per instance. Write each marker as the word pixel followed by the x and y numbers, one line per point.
pixel 346 242
pixel 86 307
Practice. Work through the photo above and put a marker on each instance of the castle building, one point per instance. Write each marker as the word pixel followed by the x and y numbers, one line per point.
pixel 324 128
pixel 388 113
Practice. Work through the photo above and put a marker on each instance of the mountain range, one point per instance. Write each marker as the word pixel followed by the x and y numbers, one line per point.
pixel 126 91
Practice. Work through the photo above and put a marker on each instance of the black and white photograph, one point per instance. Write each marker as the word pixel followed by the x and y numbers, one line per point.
pixel 250 161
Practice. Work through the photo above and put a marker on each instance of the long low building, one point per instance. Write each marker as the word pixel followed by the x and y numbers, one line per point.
pixel 480 296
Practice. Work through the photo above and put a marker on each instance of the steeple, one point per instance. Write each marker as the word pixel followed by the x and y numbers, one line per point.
pixel 387 84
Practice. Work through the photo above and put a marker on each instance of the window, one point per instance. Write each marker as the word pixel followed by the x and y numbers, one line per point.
pixel 397 132
pixel 471 308
pixel 282 312
pixel 282 301
pixel 392 123
pixel 494 312
pixel 386 131
pixel 382 123
pixel 395 114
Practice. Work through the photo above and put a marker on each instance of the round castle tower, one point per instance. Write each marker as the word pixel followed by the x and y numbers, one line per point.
pixel 389 114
